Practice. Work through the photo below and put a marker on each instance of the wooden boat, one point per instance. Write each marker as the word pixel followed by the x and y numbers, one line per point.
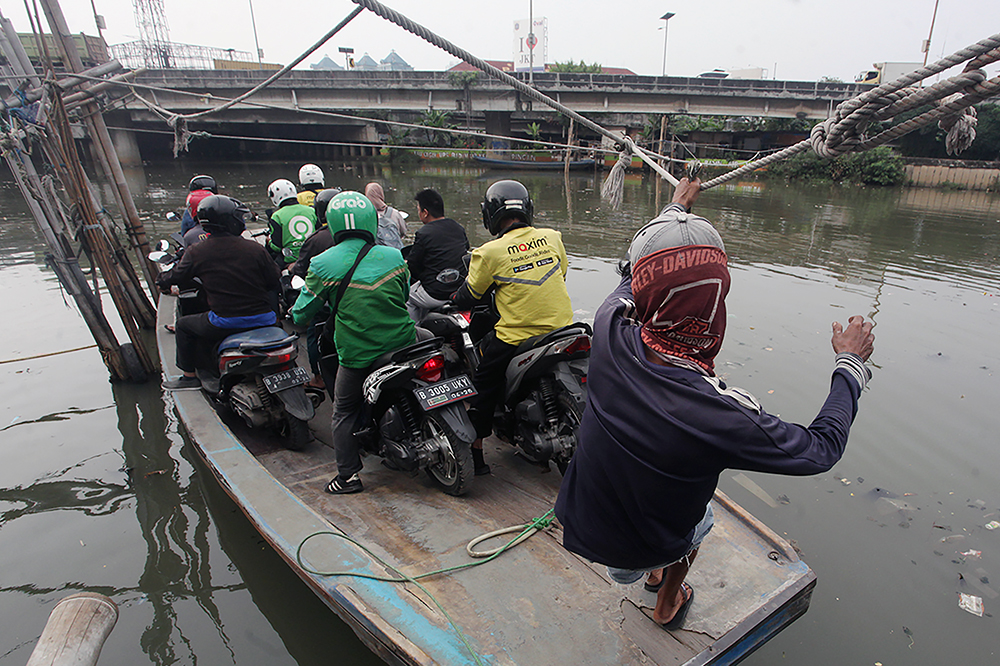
pixel 535 604
pixel 534 163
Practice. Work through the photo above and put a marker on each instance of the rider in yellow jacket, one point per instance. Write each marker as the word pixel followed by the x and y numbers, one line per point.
pixel 526 267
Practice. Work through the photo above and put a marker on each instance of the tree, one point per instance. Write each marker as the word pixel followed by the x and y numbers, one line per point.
pixel 439 120
pixel 570 67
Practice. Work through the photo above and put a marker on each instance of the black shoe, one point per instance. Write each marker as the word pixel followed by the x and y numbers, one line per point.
pixel 341 486
pixel 480 468
pixel 182 383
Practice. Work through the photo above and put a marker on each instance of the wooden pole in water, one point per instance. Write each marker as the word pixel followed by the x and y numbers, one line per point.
pixel 102 139
pixel 659 149
pixel 76 631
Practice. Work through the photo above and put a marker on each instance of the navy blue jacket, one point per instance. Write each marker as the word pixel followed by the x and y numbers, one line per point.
pixel 654 440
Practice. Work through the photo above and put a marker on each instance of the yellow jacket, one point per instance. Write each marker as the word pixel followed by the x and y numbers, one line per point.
pixel 306 197
pixel 528 267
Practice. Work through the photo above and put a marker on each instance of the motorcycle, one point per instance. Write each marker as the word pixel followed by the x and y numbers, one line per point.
pixel 451 324
pixel 416 418
pixel 546 391
pixel 256 376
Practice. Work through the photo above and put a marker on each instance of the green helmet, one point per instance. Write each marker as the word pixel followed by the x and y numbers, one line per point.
pixel 352 215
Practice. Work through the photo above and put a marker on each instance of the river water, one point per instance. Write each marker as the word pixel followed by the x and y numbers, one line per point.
pixel 100 491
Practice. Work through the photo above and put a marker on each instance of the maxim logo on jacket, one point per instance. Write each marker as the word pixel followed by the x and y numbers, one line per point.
pixel 524 247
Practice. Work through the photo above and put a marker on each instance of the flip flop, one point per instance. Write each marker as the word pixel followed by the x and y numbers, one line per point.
pixel 654 588
pixel 682 612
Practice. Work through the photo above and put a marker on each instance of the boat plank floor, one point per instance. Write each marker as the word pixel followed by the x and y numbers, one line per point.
pixel 537 603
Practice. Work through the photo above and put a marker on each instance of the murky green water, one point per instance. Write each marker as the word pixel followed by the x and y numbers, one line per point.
pixel 99 491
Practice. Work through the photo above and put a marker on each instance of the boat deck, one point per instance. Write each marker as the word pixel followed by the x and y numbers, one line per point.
pixel 535 604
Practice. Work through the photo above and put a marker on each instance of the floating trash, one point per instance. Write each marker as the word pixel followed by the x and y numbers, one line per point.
pixel 846 482
pixel 992 525
pixel 973 553
pixel 971 604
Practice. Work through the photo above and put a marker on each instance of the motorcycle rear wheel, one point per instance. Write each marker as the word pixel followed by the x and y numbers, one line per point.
pixel 298 434
pixel 454 472
pixel 569 416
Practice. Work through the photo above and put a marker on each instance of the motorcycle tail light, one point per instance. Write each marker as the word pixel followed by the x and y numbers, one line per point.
pixel 278 359
pixel 581 344
pixel 467 314
pixel 431 370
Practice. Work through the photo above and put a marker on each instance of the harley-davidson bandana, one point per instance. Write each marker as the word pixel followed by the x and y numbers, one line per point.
pixel 680 298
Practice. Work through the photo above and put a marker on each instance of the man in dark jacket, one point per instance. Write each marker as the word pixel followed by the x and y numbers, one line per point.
pixel 660 427
pixel 437 257
pixel 238 276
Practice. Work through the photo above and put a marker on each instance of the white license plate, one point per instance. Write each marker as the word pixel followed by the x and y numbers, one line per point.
pixel 286 379
pixel 445 392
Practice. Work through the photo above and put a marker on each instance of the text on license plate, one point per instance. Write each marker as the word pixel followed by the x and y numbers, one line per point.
pixel 286 379
pixel 445 392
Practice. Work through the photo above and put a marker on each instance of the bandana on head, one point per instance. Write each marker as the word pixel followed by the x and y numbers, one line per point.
pixel 680 298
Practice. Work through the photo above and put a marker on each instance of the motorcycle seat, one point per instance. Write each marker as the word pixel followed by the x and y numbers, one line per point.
pixel 409 351
pixel 258 338
pixel 576 328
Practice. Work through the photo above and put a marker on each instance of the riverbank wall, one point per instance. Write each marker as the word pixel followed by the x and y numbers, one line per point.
pixel 953 174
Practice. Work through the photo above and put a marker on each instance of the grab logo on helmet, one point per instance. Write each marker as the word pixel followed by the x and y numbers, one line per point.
pixel 300 227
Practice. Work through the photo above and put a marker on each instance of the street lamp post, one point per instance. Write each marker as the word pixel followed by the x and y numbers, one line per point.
pixel 253 22
pixel 666 19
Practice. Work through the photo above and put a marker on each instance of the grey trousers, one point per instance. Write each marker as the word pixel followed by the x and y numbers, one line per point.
pixel 420 302
pixel 348 407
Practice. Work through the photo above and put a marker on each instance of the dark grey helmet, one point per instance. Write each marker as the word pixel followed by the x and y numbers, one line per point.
pixel 203 182
pixel 219 213
pixel 504 199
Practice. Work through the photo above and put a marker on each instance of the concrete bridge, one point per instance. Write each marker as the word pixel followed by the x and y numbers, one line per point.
pixel 614 101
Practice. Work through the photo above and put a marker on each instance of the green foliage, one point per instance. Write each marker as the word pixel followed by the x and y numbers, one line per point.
pixel 570 67
pixel 463 79
pixel 441 120
pixel 879 166
pixel 534 131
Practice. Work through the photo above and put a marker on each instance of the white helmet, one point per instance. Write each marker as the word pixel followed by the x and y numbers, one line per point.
pixel 280 190
pixel 310 174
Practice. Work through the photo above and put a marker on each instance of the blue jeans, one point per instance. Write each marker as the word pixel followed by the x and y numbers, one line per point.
pixel 701 530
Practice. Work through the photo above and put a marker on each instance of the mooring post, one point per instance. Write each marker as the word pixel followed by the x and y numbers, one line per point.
pixel 76 631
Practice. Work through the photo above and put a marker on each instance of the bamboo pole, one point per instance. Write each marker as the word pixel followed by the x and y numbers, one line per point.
pixel 76 631
pixel 102 139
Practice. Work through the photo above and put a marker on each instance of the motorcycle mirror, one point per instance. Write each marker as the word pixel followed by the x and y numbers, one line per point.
pixel 298 282
pixel 287 252
pixel 159 257
pixel 172 216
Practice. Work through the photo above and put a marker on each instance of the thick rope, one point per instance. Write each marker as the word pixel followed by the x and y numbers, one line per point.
pixel 178 122
pixel 480 64
pixel 836 136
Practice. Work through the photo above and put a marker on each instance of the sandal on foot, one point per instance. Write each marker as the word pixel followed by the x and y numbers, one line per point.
pixel 678 619
pixel 340 486
pixel 654 588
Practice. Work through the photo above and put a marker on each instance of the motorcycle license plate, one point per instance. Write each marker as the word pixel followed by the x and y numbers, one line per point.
pixel 445 392
pixel 286 379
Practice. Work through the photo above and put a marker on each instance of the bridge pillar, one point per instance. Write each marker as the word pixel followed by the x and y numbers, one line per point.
pixel 498 123
pixel 127 147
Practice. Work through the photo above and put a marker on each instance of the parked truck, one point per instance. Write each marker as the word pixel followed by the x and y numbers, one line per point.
pixel 884 72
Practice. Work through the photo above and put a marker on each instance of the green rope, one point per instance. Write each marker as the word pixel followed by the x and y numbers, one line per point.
pixel 527 530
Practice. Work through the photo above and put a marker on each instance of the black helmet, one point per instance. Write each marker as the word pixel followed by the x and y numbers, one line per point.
pixel 320 202
pixel 203 183
pixel 505 199
pixel 219 213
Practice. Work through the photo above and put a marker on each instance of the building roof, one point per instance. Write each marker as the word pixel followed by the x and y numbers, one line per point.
pixel 326 63
pixel 394 62
pixel 365 62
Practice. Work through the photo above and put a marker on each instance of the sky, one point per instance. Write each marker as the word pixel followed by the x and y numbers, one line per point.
pixel 799 40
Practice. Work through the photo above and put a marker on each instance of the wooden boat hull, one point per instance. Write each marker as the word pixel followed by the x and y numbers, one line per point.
pixel 536 604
